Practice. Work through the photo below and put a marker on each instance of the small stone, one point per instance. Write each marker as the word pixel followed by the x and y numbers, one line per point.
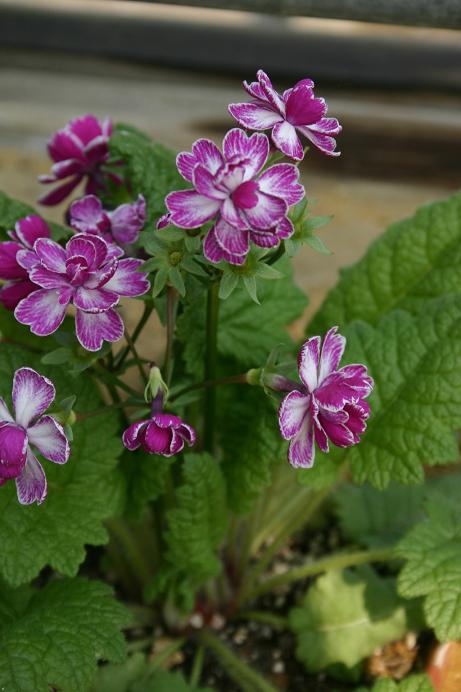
pixel 278 667
pixel 196 621
pixel 217 621
pixel 240 636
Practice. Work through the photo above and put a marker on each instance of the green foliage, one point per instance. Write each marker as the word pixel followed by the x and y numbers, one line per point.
pixel 416 402
pixel 11 210
pixel 251 443
pixel 196 528
pixel 151 168
pixel 413 262
pixel 304 226
pixel 413 683
pixel 146 477
pixel 247 332
pixel 432 550
pixel 54 638
pixel 82 493
pixel 248 276
pixel 138 675
pixel 344 616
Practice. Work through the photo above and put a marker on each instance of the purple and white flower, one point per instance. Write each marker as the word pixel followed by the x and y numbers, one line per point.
pixel 87 274
pixel 295 111
pixel 230 190
pixel 121 226
pixel 163 434
pixel 78 151
pixel 18 285
pixel 30 430
pixel 330 403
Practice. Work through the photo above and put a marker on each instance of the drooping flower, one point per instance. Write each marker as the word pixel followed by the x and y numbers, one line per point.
pixel 231 190
pixel 29 429
pixel 18 285
pixel 328 405
pixel 88 274
pixel 163 434
pixel 296 110
pixel 121 226
pixel 78 151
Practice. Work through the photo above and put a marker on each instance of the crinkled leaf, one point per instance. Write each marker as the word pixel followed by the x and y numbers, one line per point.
pixel 413 262
pixel 413 683
pixel 57 637
pixel 81 494
pixel 416 403
pixel 432 550
pixel 345 616
pixel 247 331
pixel 151 168
pixel 146 477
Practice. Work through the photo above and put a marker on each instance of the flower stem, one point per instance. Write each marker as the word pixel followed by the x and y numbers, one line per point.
pixel 136 357
pixel 233 379
pixel 277 621
pixel 171 307
pixel 197 667
pixel 148 309
pixel 245 677
pixel 210 364
pixel 164 655
pixel 131 553
pixel 290 527
pixel 277 254
pixel 332 562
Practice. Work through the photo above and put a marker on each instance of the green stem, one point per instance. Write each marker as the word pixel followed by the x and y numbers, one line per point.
pixel 111 380
pixel 197 667
pixel 171 307
pixel 138 645
pixel 164 655
pixel 277 254
pixel 136 357
pixel 247 678
pixel 332 562
pixel 109 407
pixel 291 526
pixel 277 621
pixel 129 550
pixel 233 379
pixel 148 309
pixel 210 364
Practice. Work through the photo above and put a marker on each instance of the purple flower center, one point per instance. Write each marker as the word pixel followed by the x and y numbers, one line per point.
pixel 245 196
pixel 77 270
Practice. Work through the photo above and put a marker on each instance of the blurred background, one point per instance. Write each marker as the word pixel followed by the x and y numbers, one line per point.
pixel 390 71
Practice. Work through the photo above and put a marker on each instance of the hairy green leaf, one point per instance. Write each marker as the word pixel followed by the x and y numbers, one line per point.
pixel 54 639
pixel 81 494
pixel 146 476
pixel 151 168
pixel 345 616
pixel 413 683
pixel 432 550
pixel 413 262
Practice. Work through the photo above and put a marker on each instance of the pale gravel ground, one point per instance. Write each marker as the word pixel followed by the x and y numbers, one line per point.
pixel 39 95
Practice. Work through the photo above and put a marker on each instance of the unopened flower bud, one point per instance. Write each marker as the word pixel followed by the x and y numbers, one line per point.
pixel 155 385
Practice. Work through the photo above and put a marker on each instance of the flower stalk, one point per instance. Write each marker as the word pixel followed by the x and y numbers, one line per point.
pixel 211 352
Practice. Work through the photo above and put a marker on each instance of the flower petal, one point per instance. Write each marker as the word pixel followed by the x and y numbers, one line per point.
pixel 94 299
pixel 61 192
pixel 204 183
pixel 262 239
pixel 27 259
pixel 130 437
pixel 32 395
pixel 332 352
pixel 50 439
pixel 286 139
pixel 268 211
pixel 301 451
pixel 308 362
pixel 87 215
pixel 255 150
pixel 326 126
pixel 64 145
pixel 31 485
pixel 5 415
pixel 302 108
pixel 128 220
pixel 93 329
pixel 292 412
pixel 272 95
pixel 47 279
pixel 156 439
pixel 254 116
pixel 207 153
pixel 189 209
pixel 9 267
pixel 335 428
pixel 187 432
pixel 127 280
pixel 284 229
pixel 231 239
pixel 281 180
pixel 30 228
pixel 323 142
pixel 185 163
pixel 233 216
pixel 51 255
pixel 43 311
pixel 214 252
pixel 13 450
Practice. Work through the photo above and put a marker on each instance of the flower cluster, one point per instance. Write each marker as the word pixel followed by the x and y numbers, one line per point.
pixel 120 226
pixel 88 274
pixel 328 405
pixel 79 152
pixel 29 429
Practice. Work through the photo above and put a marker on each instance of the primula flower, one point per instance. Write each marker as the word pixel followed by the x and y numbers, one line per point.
pixel 163 434
pixel 296 110
pixel 18 285
pixel 121 226
pixel 329 405
pixel 87 274
pixel 231 190
pixel 79 151
pixel 28 429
